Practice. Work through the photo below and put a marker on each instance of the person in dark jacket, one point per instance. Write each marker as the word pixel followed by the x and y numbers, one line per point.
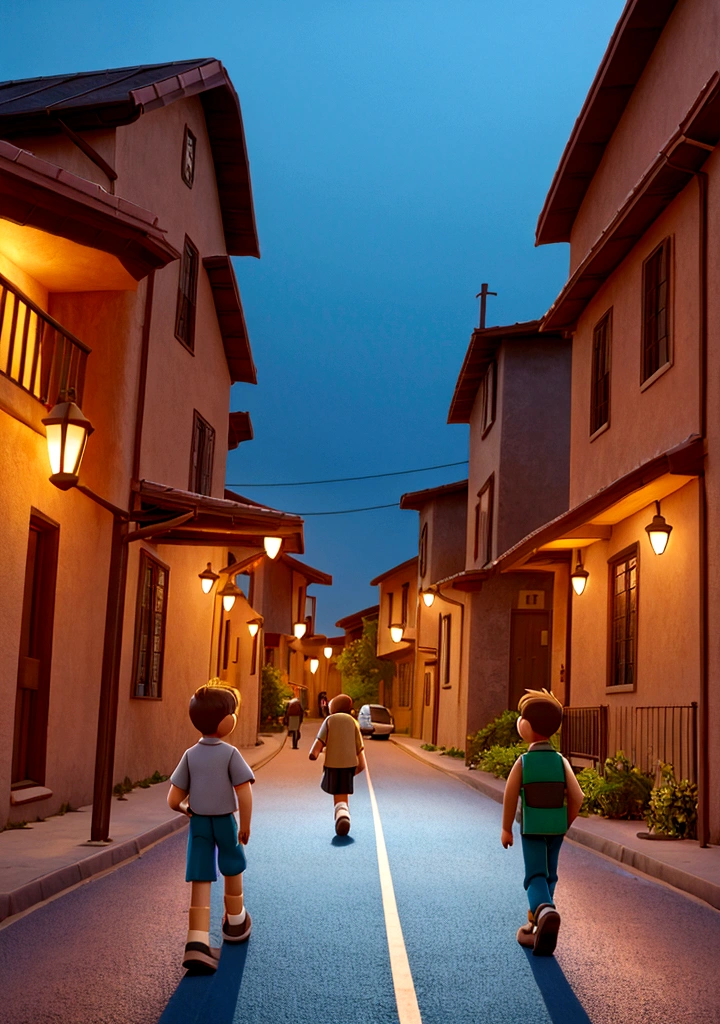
pixel 293 720
pixel 323 704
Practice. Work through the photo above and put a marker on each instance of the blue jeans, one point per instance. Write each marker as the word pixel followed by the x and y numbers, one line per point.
pixel 540 854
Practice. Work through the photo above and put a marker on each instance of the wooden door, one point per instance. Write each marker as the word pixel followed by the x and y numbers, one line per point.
pixel 529 653
pixel 35 654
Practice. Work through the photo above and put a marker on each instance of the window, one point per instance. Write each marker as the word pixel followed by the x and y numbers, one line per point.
pixel 600 380
pixel 150 616
pixel 656 332
pixel 201 458
pixel 404 677
pixel 487 399
pixel 187 296
pixel 444 650
pixel 390 610
pixel 623 625
pixel 483 523
pixel 187 167
pixel 427 688
pixel 423 550
pixel 405 599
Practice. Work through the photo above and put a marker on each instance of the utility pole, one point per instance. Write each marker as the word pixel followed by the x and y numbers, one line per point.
pixel 482 295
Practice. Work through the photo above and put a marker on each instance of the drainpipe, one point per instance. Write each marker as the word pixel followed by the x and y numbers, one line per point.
pixel 703 730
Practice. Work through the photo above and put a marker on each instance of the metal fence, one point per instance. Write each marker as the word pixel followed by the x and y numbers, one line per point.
pixel 36 352
pixel 646 735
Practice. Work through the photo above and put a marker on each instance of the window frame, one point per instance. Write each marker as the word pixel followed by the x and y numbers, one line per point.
pixel 445 650
pixel 422 550
pixel 202 456
pixel 647 375
pixel 145 558
pixel 604 323
pixel 404 604
pixel 188 178
pixel 619 558
pixel 487 488
pixel 488 398
pixel 186 306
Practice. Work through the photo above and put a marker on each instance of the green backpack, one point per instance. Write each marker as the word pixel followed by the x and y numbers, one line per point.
pixel 543 793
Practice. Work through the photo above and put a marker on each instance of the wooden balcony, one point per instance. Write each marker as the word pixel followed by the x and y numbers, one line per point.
pixel 36 352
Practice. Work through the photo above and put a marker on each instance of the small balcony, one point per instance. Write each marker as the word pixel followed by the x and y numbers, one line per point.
pixel 36 352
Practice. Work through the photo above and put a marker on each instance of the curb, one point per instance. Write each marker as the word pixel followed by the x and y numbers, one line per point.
pixel 43 888
pixel 708 892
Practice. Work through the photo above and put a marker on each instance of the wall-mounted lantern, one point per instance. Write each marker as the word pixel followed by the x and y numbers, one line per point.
pixel 253 627
pixel 299 629
pixel 396 633
pixel 428 597
pixel 229 593
pixel 327 651
pixel 272 546
pixel 579 576
pixel 314 665
pixel 658 531
pixel 67 432
pixel 207 577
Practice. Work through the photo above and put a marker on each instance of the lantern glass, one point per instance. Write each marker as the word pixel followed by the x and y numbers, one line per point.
pixel 396 634
pixel 299 630
pixel 429 598
pixel 579 579
pixel 272 546
pixel 67 431
pixel 253 628
pixel 54 443
pixel 314 664
pixel 659 539
pixel 75 439
pixel 327 651
pixel 228 601
pixel 206 584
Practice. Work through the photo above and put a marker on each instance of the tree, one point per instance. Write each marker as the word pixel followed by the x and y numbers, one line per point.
pixel 274 693
pixel 360 668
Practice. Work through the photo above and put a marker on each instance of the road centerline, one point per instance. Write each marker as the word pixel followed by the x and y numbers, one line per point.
pixel 405 997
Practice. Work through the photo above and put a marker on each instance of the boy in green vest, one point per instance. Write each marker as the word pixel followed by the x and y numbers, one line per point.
pixel 551 800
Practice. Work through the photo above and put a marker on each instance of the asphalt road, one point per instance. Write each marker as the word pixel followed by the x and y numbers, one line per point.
pixel 109 952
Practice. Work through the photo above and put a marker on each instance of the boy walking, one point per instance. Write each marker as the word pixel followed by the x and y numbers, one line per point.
pixel 344 757
pixel 211 781
pixel 551 800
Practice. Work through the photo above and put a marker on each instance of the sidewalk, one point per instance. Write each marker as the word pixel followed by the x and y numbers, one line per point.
pixel 682 864
pixel 40 861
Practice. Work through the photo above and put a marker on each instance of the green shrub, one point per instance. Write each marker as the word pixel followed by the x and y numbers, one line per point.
pixel 453 752
pixel 501 732
pixel 498 760
pixel 620 791
pixel 428 746
pixel 274 693
pixel 673 806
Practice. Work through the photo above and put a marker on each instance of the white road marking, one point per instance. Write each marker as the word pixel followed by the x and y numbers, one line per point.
pixel 407 1004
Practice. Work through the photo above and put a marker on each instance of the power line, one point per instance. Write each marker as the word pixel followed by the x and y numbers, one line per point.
pixel 346 511
pixel 346 479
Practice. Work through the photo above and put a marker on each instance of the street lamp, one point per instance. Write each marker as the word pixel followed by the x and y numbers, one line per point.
pixel 327 651
pixel 579 577
pixel 67 432
pixel 658 531
pixel 253 627
pixel 228 594
pixel 396 633
pixel 207 577
pixel 272 546
pixel 299 630
pixel 428 597
pixel 314 664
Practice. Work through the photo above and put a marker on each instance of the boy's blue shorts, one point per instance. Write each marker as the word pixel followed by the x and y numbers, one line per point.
pixel 208 832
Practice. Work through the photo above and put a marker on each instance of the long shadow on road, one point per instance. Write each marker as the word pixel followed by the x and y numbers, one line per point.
pixel 210 997
pixel 562 1005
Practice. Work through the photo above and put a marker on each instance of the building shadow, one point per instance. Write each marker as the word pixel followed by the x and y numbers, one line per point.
pixel 209 997
pixel 342 841
pixel 561 1003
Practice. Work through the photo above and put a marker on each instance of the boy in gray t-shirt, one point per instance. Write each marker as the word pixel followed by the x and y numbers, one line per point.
pixel 210 783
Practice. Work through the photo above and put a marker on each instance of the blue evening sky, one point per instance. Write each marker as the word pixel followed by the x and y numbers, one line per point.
pixel 400 153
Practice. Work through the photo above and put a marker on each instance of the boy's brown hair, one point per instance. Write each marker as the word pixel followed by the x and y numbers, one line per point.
pixel 342 703
pixel 542 710
pixel 210 704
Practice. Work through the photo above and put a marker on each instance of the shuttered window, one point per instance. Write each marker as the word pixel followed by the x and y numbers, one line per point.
pixel 600 383
pixel 656 330
pixel 187 296
pixel 201 460
pixel 150 617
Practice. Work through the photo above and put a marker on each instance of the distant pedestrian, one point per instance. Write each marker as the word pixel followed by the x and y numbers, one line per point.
pixel 293 720
pixel 211 781
pixel 323 710
pixel 340 737
pixel 551 800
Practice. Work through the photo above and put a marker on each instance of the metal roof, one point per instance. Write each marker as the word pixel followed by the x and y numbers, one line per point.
pixel 389 572
pixel 631 45
pixel 94 100
pixel 239 429
pixel 231 319
pixel 418 499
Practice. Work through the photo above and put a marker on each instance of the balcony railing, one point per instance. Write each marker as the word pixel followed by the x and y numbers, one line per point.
pixel 647 735
pixel 36 352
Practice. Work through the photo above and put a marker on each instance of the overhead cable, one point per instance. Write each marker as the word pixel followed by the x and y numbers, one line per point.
pixel 346 479
pixel 346 511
